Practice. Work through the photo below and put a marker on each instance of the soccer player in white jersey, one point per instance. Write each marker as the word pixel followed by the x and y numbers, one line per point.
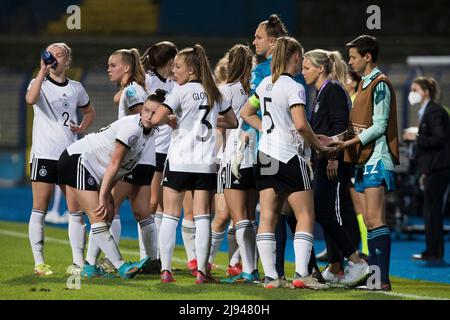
pixel 190 164
pixel 91 167
pixel 282 170
pixel 55 101
pixel 157 61
pixel 125 69
pixel 239 184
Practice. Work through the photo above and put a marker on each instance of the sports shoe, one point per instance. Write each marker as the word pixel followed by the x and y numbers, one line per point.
pixel 130 269
pixel 204 278
pixel 167 277
pixel 234 270
pixel 318 275
pixel 106 265
pixel 383 287
pixel 43 270
pixel 308 282
pixel 331 277
pixel 192 265
pixel 208 269
pixel 354 272
pixel 153 267
pixel 243 277
pixel 270 283
pixel 90 271
pixel 74 269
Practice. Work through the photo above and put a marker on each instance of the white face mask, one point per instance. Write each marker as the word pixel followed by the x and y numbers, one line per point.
pixel 414 97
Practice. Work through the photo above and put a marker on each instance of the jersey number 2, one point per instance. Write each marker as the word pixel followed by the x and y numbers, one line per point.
pixel 65 115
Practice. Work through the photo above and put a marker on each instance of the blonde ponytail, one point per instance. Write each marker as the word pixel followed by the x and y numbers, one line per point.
pixel 131 57
pixel 332 62
pixel 285 47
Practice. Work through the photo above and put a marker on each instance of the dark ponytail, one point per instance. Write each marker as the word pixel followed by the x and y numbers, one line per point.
pixel 158 96
pixel 158 55
pixel 275 27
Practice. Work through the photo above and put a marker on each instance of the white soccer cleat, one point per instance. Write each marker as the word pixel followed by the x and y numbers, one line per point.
pixel 354 272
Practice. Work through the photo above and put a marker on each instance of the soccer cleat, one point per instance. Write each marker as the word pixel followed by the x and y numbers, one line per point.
pixel 204 278
pixel 153 267
pixel 192 265
pixel 307 282
pixel 354 272
pixel 90 271
pixel 74 269
pixel 243 277
pixel 106 265
pixel 208 269
pixel 43 270
pixel 129 270
pixel 270 283
pixel 234 270
pixel 331 277
pixel 167 277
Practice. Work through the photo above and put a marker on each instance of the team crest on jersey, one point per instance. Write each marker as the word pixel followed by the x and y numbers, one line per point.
pixel 91 181
pixel 301 95
pixel 131 92
pixel 65 104
pixel 42 172
pixel 132 140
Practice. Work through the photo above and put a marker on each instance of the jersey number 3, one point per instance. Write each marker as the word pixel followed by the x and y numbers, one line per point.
pixel 206 123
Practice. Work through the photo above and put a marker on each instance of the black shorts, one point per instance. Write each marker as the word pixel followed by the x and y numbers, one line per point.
pixel 72 173
pixel 44 170
pixel 141 175
pixel 227 180
pixel 296 175
pixel 188 180
pixel 160 161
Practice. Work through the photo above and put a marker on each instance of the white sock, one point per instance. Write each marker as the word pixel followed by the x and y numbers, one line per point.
pixel 116 228
pixel 232 244
pixel 77 237
pixel 303 243
pixel 202 240
pixel 36 234
pixel 216 241
pixel 167 237
pixel 93 250
pixel 147 228
pixel 107 244
pixel 154 254
pixel 245 237
pixel 255 229
pixel 188 233
pixel 158 220
pixel 267 247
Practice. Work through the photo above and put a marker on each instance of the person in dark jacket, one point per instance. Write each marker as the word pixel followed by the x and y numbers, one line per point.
pixel 433 162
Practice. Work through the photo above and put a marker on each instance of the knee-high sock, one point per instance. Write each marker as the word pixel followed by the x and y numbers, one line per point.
pixel 303 243
pixel 167 237
pixel 216 241
pixel 36 235
pixel 380 250
pixel 245 237
pixel 116 228
pixel 232 245
pixel 267 248
pixel 202 240
pixel 188 234
pixel 147 229
pixel 106 242
pixel 93 250
pixel 77 236
pixel 255 229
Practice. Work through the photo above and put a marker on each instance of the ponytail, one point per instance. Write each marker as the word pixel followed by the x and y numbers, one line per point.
pixel 430 84
pixel 285 47
pixel 275 27
pixel 131 57
pixel 158 55
pixel 240 60
pixel 332 62
pixel 196 59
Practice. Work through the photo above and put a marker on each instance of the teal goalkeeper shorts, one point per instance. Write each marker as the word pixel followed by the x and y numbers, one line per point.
pixel 374 176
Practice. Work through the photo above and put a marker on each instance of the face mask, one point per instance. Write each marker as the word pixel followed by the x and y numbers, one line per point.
pixel 414 97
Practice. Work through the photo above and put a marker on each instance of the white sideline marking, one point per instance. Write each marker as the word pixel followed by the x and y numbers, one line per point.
pixel 50 239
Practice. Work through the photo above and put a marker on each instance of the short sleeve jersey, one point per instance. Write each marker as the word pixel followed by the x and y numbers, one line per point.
pixel 192 146
pixel 280 139
pixel 132 96
pixel 97 148
pixel 55 109
pixel 154 81
pixel 235 93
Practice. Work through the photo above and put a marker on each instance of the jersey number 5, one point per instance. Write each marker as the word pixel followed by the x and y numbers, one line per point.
pixel 206 123
pixel 266 102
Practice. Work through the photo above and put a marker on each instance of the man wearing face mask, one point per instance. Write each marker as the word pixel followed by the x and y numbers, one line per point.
pixel 433 161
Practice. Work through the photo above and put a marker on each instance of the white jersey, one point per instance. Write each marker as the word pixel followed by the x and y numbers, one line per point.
pixel 192 146
pixel 235 93
pixel 132 96
pixel 96 149
pixel 55 109
pixel 154 81
pixel 280 139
